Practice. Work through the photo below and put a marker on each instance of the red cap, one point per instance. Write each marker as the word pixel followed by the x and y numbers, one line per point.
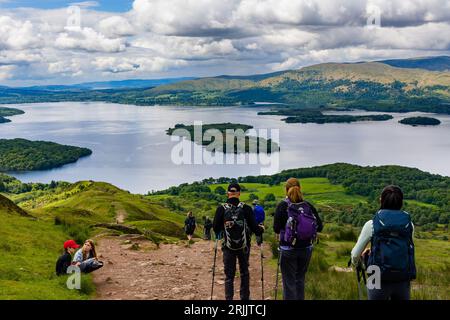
pixel 70 244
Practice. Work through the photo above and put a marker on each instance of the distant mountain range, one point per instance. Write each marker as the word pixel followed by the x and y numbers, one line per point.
pixel 439 63
pixel 390 85
pixel 102 85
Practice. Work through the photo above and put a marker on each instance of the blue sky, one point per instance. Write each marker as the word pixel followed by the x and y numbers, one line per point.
pixel 103 5
pixel 131 39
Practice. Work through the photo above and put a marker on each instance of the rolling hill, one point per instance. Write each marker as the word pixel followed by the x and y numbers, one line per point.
pixel 376 86
pixel 9 207
pixel 324 84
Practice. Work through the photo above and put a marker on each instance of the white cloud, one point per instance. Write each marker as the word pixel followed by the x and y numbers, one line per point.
pixel 116 26
pixel 6 72
pixel 140 64
pixel 71 67
pixel 206 37
pixel 17 34
pixel 185 47
pixel 88 39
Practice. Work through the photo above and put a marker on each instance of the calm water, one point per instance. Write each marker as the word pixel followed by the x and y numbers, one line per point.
pixel 132 151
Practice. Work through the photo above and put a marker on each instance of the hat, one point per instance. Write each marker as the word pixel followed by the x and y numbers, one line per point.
pixel 71 244
pixel 234 187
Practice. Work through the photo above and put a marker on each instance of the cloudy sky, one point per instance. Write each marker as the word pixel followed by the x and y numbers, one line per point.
pixel 61 42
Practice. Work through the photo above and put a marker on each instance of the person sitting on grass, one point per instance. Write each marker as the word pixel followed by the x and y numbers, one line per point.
pixel 86 258
pixel 65 261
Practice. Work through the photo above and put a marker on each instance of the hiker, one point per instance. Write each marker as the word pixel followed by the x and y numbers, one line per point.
pixel 390 233
pixel 260 217
pixel 86 258
pixel 207 228
pixel 190 225
pixel 296 222
pixel 235 221
pixel 65 260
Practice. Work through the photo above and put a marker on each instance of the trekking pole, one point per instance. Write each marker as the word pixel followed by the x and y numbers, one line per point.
pixel 214 267
pixel 358 277
pixel 262 270
pixel 278 270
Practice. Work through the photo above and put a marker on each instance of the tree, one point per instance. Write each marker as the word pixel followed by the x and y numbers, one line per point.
pixel 253 196
pixel 220 190
pixel 270 197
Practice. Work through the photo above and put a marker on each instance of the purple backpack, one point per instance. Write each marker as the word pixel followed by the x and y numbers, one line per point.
pixel 301 224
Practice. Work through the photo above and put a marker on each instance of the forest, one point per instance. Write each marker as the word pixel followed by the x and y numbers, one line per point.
pixel 426 195
pixel 420 121
pixel 230 132
pixel 25 155
pixel 316 116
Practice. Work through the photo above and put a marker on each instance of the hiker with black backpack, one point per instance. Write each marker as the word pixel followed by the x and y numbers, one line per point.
pixel 190 225
pixel 296 222
pixel 390 233
pixel 235 221
pixel 207 225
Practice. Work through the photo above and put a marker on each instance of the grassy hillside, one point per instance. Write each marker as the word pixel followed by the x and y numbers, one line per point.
pixel 31 245
pixel 29 249
pixel 81 206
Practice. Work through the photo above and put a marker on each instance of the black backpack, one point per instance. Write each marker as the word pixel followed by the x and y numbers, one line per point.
pixel 235 227
pixel 190 224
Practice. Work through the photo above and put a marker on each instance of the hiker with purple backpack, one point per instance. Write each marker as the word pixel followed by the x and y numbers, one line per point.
pixel 297 222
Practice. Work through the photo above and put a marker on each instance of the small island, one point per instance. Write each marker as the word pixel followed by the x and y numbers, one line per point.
pixel 8 112
pixel 227 130
pixel 25 155
pixel 420 121
pixel 316 116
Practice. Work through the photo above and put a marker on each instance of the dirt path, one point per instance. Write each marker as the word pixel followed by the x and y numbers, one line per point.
pixel 135 269
pixel 121 215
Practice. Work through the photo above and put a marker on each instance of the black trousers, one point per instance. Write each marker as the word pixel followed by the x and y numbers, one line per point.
pixel 229 262
pixel 294 265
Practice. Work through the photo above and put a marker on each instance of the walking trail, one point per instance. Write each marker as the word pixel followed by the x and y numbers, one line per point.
pixel 135 269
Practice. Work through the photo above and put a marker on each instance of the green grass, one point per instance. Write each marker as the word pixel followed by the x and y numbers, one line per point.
pixel 29 250
pixel 316 190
